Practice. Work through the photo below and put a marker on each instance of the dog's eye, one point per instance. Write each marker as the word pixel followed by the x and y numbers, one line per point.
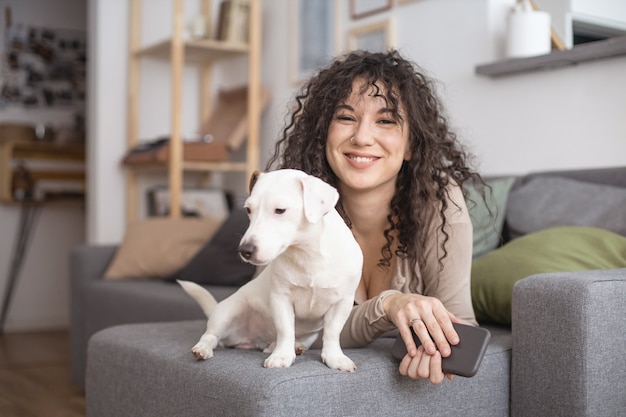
pixel 279 210
pixel 247 210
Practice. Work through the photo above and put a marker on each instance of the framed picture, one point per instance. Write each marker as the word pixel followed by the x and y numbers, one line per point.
pixel 402 2
pixel 374 37
pixel 312 36
pixel 196 202
pixel 364 8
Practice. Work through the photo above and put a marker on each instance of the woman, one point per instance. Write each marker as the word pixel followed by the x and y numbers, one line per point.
pixel 371 125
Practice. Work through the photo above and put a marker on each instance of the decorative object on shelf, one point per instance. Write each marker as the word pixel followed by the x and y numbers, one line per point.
pixel 556 41
pixel 233 24
pixel 364 8
pixel 528 31
pixel 313 36
pixel 22 184
pixel 374 37
pixel 198 202
pixel 158 151
pixel 198 27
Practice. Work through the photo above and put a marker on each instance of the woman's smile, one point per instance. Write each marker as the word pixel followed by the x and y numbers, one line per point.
pixel 361 161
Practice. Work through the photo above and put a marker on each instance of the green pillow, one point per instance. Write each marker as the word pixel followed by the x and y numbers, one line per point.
pixel 558 249
pixel 488 215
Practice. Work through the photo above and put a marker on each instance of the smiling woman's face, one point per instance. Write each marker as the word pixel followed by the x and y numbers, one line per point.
pixel 372 160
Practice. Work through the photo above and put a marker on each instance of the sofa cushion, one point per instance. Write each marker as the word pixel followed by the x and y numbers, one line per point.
pixel 487 214
pixel 234 382
pixel 218 261
pixel 558 249
pixel 157 247
pixel 544 202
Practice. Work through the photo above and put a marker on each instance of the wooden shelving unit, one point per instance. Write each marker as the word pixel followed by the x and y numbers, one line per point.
pixel 205 53
pixel 30 151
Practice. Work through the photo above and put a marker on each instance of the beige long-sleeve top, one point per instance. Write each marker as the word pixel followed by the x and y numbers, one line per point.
pixel 451 285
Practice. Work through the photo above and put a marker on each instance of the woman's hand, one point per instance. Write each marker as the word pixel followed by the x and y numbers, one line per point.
pixel 432 324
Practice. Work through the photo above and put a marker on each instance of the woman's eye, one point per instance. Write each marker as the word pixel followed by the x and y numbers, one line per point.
pixel 344 117
pixel 280 210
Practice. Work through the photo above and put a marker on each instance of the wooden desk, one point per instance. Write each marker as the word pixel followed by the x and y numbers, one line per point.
pixel 31 151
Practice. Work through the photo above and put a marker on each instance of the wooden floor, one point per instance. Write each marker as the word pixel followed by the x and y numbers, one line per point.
pixel 35 376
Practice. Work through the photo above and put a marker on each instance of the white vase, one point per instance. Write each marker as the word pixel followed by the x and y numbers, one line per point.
pixel 528 32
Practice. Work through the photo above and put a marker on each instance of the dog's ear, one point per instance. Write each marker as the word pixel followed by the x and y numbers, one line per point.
pixel 253 178
pixel 318 198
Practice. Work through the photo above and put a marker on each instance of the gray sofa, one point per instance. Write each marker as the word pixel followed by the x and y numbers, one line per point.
pixel 562 355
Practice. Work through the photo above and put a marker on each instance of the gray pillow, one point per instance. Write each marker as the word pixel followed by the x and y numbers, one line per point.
pixel 488 215
pixel 545 202
pixel 218 262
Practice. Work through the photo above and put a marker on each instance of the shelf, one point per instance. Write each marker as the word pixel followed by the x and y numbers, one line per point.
pixel 179 52
pixel 196 166
pixel 195 50
pixel 215 166
pixel 32 153
pixel 591 51
pixel 44 150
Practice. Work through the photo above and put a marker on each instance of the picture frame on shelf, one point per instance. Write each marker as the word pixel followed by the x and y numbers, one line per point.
pixel 195 202
pixel 313 36
pixel 363 8
pixel 373 37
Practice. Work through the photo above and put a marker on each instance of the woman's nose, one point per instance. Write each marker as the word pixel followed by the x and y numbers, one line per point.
pixel 363 136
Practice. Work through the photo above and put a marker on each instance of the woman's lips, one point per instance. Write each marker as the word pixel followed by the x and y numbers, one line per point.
pixel 361 160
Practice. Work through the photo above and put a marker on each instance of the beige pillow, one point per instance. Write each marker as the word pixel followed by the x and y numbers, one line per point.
pixel 158 247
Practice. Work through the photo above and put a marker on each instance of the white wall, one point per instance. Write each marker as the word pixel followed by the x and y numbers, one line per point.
pixel 106 118
pixel 41 296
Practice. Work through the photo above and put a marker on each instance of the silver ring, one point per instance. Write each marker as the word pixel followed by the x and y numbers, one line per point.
pixel 414 320
pixel 352 139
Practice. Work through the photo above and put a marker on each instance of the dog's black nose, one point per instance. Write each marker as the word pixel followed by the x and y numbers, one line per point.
pixel 246 250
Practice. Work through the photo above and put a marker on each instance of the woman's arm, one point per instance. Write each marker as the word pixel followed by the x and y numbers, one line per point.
pixel 367 322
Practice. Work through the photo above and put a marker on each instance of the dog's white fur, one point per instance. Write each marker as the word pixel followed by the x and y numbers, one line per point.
pixel 312 266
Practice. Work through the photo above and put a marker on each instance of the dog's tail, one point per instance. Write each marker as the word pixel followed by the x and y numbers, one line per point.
pixel 200 294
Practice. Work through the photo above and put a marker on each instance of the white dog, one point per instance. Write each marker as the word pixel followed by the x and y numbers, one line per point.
pixel 312 266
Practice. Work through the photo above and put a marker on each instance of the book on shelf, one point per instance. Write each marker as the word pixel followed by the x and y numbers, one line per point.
pixel 233 21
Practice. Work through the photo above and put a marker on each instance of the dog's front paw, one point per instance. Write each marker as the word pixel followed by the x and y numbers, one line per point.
pixel 278 360
pixel 201 351
pixel 338 361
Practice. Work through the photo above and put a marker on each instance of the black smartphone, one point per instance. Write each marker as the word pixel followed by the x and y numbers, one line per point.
pixel 466 356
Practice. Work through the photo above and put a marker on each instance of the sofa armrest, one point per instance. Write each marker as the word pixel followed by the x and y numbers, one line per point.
pixel 569 335
pixel 87 263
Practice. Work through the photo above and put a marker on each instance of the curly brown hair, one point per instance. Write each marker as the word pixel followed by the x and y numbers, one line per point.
pixel 437 157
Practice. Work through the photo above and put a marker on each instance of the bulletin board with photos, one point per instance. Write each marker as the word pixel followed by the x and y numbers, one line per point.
pixel 42 67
